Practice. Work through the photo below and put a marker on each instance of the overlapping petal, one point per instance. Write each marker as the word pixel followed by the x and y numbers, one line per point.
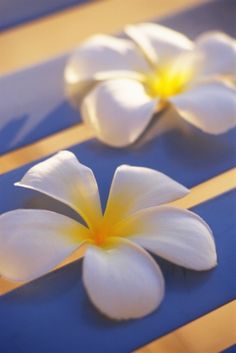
pixel 118 110
pixel 218 54
pixel 65 179
pixel 177 235
pixel 33 242
pixel 210 106
pixel 121 82
pixel 160 44
pixel 136 188
pixel 126 284
pixel 100 53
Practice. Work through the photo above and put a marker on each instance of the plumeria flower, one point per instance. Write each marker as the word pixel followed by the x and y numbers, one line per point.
pixel 119 84
pixel 122 280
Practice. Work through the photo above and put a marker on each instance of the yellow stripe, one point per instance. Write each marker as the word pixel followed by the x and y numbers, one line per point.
pixel 199 194
pixel 53 35
pixel 208 190
pixel 44 147
pixel 211 333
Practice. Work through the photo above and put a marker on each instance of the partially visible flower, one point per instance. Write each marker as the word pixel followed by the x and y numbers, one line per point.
pixel 119 84
pixel 121 278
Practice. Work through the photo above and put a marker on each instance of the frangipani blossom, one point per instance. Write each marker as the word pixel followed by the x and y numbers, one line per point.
pixel 119 84
pixel 122 280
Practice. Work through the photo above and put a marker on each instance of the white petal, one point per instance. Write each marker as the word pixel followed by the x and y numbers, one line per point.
pixel 177 235
pixel 118 111
pixel 136 188
pixel 218 54
pixel 65 179
pixel 98 54
pixel 33 242
pixel 161 44
pixel 210 106
pixel 123 282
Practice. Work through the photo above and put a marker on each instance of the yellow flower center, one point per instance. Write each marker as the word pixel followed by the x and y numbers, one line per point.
pixel 167 81
pixel 106 227
pixel 99 235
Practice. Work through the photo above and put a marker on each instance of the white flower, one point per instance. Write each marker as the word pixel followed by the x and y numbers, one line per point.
pixel 119 84
pixel 121 278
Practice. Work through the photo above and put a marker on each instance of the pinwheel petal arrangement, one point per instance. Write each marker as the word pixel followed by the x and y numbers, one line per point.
pixel 119 84
pixel 122 280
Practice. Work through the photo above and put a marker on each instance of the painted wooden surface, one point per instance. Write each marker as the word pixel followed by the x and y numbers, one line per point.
pixel 36 41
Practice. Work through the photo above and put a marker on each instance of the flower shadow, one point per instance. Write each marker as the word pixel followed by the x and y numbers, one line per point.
pixel 48 288
pixel 44 202
pixel 8 133
pixel 93 317
pixel 31 127
pixel 182 140
pixel 180 279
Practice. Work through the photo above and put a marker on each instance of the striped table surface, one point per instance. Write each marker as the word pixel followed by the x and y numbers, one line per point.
pixel 205 164
pixel 16 12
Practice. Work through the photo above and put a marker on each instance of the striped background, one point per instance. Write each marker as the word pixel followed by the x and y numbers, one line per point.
pixel 36 41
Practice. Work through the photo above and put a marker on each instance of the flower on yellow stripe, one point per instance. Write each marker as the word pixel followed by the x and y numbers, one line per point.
pixel 119 84
pixel 122 280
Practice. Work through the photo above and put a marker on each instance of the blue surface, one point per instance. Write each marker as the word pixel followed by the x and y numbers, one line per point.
pixel 53 314
pixel 15 12
pixel 33 104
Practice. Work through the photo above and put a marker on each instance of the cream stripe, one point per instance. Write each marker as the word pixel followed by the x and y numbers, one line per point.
pixel 208 190
pixel 211 333
pixel 53 35
pixel 44 147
